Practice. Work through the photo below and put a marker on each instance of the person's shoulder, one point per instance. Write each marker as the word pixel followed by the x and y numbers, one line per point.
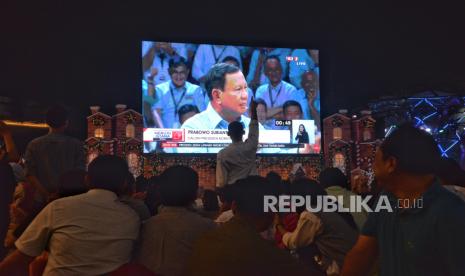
pixel 163 87
pixel 262 88
pixel 447 200
pixel 191 86
pixel 288 85
pixel 38 140
pixel 196 121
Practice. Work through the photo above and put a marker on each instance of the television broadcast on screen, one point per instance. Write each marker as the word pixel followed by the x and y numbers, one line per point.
pixel 191 92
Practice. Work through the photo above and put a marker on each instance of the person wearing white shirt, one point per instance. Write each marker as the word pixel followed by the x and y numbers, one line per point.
pixel 87 234
pixel 237 161
pixel 277 92
pixel 175 93
pixel 307 60
pixel 256 75
pixel 208 55
pixel 164 52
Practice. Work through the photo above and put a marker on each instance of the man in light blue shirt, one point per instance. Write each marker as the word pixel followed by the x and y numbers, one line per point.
pixel 277 92
pixel 175 93
pixel 309 97
pixel 163 53
pixel 255 78
pixel 307 60
pixel 208 55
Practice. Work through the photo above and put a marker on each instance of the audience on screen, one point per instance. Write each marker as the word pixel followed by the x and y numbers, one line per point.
pixel 276 92
pixel 173 94
pixel 187 111
pixel 163 52
pixel 309 97
pixel 304 60
pixel 256 75
pixel 209 55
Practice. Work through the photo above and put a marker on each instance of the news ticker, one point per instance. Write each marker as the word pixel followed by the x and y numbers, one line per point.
pixel 223 145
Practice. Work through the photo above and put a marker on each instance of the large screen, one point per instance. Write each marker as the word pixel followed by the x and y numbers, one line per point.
pixel 189 99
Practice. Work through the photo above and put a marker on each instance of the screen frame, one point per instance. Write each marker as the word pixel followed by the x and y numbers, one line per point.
pixel 290 45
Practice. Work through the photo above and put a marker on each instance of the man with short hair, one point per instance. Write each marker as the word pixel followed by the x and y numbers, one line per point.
pixel 173 94
pixel 237 160
pixel 187 111
pixel 292 110
pixel 209 55
pixel 51 155
pixel 227 91
pixel 257 75
pixel 277 91
pixel 309 97
pixel 87 234
pixel 168 237
pixel 236 247
pixel 424 233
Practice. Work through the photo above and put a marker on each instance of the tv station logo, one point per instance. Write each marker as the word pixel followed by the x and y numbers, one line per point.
pixel 154 134
pixel 296 60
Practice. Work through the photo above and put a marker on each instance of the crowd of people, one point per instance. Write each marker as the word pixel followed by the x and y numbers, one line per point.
pixel 175 83
pixel 61 217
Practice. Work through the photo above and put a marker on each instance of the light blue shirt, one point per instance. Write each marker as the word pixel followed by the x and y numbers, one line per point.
pixel 170 99
pixel 276 96
pixel 209 119
pixel 282 53
pixel 208 55
pixel 302 99
pixel 303 64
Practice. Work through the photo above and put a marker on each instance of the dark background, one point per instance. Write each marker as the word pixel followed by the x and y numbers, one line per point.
pixel 79 55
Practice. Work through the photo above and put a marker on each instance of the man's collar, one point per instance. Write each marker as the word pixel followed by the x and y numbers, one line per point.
pixel 172 86
pixel 278 85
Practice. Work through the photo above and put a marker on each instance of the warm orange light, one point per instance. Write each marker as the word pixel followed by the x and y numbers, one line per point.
pixel 25 124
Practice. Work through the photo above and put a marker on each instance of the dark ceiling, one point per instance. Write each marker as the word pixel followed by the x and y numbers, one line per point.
pixel 86 55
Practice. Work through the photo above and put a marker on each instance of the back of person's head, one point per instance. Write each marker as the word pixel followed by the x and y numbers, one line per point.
pixel 231 60
pixel 210 200
pixel 249 195
pixel 415 151
pixel 333 177
pixel 56 116
pixel 216 77
pixel 226 194
pixel 306 187
pixel 450 173
pixel 72 183
pixel 236 131
pixel 178 186
pixel 108 172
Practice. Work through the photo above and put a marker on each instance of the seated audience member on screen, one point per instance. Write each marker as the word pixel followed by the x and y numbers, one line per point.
pixel 277 91
pixel 261 113
pixel 237 160
pixel 256 75
pixel 187 111
pixel 227 90
pixel 307 60
pixel 173 94
pixel 163 53
pixel 309 97
pixel 87 234
pixel 208 55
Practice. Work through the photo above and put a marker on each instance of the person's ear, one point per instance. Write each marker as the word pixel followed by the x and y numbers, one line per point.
pixel 234 207
pixel 216 95
pixel 391 164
